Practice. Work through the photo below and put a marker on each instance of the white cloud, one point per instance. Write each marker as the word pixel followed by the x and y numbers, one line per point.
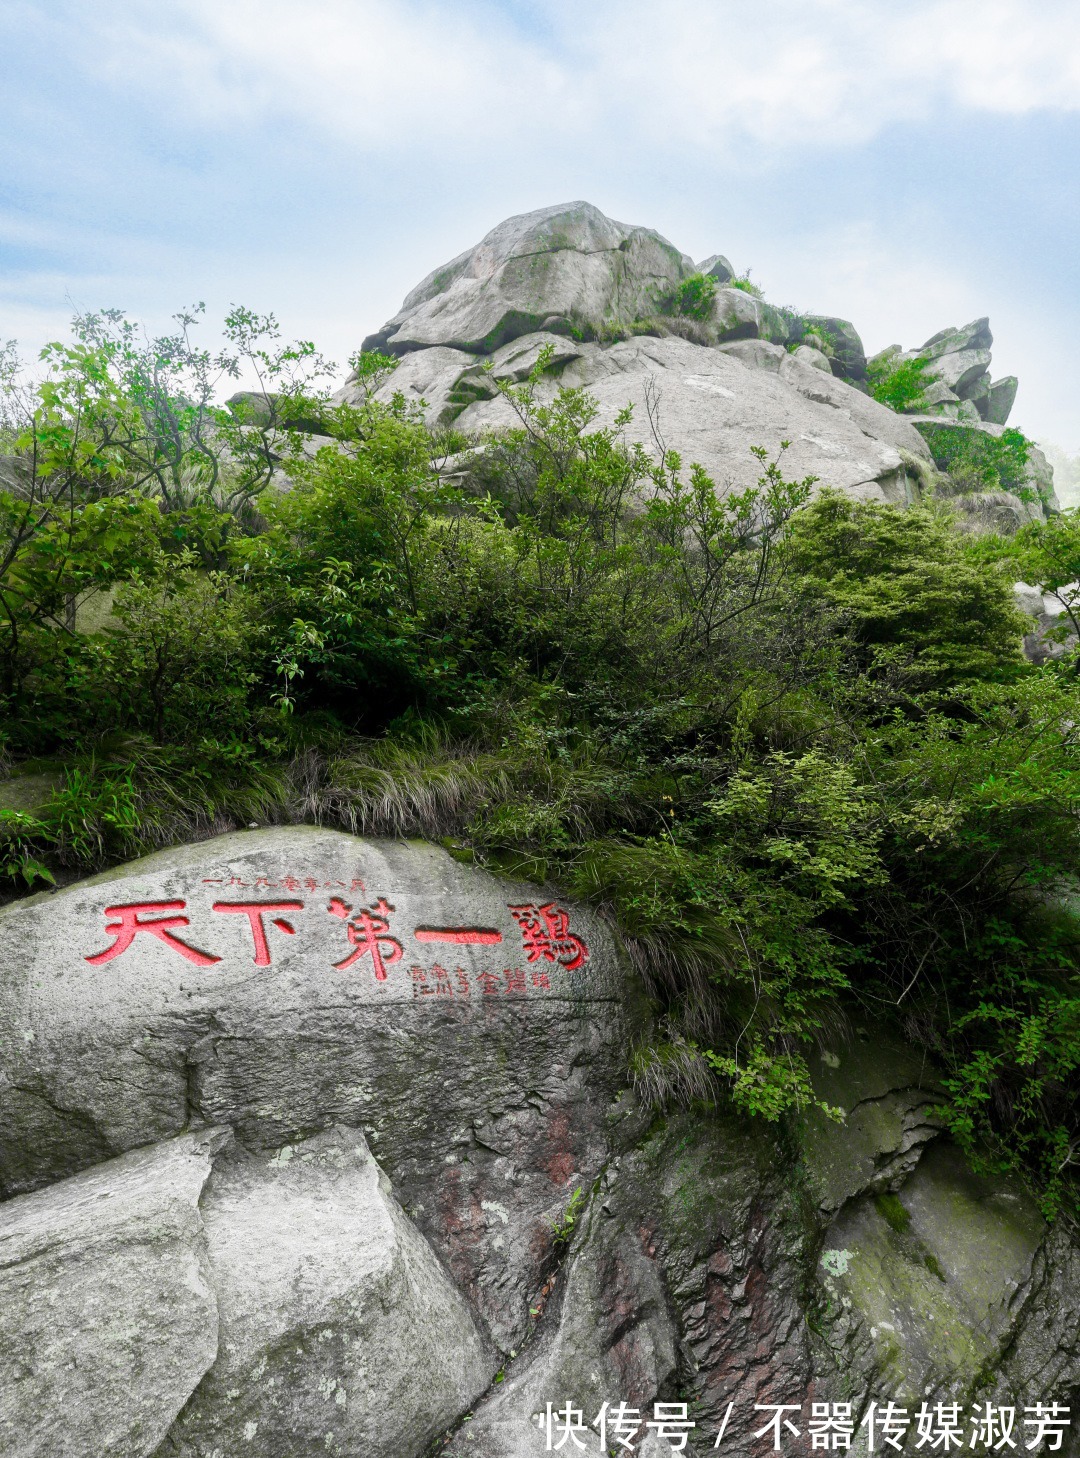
pixel 419 73
pixel 319 158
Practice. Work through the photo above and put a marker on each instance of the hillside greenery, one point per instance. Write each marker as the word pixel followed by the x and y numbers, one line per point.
pixel 787 742
pixel 897 382
pixel 978 461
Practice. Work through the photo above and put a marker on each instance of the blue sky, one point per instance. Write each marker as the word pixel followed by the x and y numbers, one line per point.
pixel 907 166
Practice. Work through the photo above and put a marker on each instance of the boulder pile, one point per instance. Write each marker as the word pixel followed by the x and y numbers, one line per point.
pixel 709 368
pixel 958 366
pixel 604 299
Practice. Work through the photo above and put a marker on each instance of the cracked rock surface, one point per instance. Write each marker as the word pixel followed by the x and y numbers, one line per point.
pixel 189 1299
pixel 561 276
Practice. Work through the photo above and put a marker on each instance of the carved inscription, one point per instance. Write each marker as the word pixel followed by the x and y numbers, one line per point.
pixel 371 943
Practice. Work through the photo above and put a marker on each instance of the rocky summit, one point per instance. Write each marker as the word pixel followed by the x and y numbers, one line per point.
pixel 320 1144
pixel 708 373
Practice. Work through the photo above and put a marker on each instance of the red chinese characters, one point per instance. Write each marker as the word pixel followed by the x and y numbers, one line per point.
pixel 255 911
pixel 461 936
pixel 545 932
pixel 131 920
pixel 369 933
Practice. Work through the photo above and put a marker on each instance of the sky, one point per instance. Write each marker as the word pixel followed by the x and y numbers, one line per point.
pixel 907 166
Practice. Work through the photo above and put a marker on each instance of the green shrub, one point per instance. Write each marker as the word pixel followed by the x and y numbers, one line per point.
pixel 789 746
pixel 818 336
pixel 978 461
pixel 899 383
pixel 743 281
pixel 694 296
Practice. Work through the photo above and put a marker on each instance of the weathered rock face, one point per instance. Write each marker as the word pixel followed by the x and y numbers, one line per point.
pixel 179 1301
pixel 333 1313
pixel 1052 635
pixel 246 992
pixel 1000 397
pixel 568 264
pixel 717 267
pixel 959 370
pixel 713 403
pixel 225 1039
pixel 561 277
pixel 108 1317
pixel 849 357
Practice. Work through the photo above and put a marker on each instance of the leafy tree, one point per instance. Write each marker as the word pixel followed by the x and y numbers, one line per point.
pixel 1046 554
pixel 907 589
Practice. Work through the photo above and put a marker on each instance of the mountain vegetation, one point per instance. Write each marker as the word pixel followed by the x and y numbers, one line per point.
pixel 786 740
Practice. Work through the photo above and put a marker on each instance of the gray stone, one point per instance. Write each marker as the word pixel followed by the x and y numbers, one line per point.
pixel 923 1286
pixel 1000 399
pixel 711 1200
pixel 424 379
pixel 609 1336
pixel 736 315
pixel 1029 599
pixel 1040 477
pixel 961 369
pixel 442 382
pixel 514 361
pixel 717 267
pixel 936 397
pixel 689 1267
pixel 890 352
pixel 997 513
pixel 261 409
pixel 973 336
pixel 1043 1353
pixel 108 1316
pixel 568 261
pixel 756 354
pixel 146 1308
pixel 481 1078
pixel 338 1329
pixel 808 355
pixel 978 394
pixel 888 1099
pixel 849 357
pixel 713 407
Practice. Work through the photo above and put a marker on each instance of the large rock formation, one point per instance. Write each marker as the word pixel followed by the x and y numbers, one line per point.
pixel 569 267
pixel 958 365
pixel 180 1300
pixel 708 374
pixel 603 299
pixel 282 982
pixel 320 1145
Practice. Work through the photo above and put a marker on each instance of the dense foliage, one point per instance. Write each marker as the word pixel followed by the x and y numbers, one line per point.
pixel 695 295
pixel 789 744
pixel 897 382
pixel 978 461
